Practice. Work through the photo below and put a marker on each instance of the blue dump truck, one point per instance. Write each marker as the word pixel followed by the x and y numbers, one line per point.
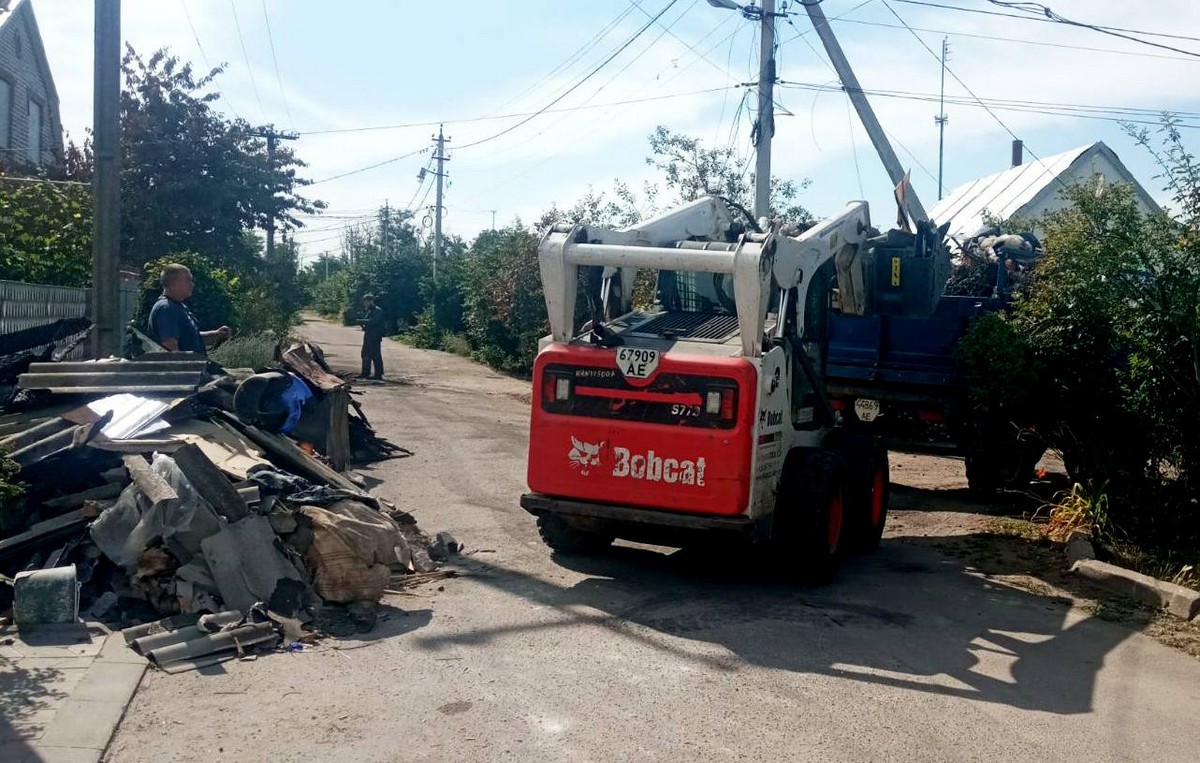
pixel 893 370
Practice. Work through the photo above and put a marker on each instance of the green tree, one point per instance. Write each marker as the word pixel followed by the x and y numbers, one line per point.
pixel 45 232
pixel 690 170
pixel 196 181
pixel 505 310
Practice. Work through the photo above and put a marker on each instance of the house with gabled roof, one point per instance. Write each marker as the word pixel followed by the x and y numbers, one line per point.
pixel 1030 189
pixel 30 125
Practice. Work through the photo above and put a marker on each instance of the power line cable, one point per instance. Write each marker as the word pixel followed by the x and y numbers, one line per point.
pixel 1111 32
pixel 45 181
pixel 685 43
pixel 204 56
pixel 275 61
pixel 912 155
pixel 1030 107
pixel 950 71
pixel 565 110
pixel 570 60
pixel 394 159
pixel 807 32
pixel 1045 20
pixel 996 38
pixel 246 56
pixel 601 121
pixel 578 84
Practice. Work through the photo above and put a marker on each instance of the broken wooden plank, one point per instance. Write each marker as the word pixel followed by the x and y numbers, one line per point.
pixel 75 500
pixel 154 487
pixel 299 359
pixel 210 482
pixel 291 457
pixel 337 439
pixel 43 533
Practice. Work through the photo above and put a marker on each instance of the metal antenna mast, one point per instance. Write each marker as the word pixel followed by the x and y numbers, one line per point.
pixel 941 118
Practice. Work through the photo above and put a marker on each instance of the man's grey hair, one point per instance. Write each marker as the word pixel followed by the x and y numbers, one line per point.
pixel 171 272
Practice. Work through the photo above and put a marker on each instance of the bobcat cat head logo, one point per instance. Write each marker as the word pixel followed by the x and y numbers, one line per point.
pixel 584 455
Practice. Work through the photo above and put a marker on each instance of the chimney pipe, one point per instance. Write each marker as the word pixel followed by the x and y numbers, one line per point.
pixel 1018 153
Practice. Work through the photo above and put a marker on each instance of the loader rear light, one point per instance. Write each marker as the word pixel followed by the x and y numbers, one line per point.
pixel 556 388
pixel 712 402
pixel 727 405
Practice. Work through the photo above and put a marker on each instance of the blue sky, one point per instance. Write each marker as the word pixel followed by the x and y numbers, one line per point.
pixel 367 63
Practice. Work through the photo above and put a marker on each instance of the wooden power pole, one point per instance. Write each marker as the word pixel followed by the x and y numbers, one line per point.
pixel 272 137
pixel 107 331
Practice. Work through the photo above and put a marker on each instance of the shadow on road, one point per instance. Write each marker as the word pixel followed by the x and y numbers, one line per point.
pixel 25 697
pixel 905 617
pixel 962 500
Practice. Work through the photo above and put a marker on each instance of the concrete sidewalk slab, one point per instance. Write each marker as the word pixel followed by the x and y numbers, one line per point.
pixel 63 691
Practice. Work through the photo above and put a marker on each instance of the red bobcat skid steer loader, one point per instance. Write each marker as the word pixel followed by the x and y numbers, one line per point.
pixel 706 413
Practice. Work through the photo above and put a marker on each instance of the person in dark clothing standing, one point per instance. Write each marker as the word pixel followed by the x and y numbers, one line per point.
pixel 172 324
pixel 374 323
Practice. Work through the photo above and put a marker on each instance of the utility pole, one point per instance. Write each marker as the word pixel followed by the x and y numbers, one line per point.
pixel 941 118
pixel 386 213
pixel 765 128
pixel 912 205
pixel 273 137
pixel 493 218
pixel 107 331
pixel 441 140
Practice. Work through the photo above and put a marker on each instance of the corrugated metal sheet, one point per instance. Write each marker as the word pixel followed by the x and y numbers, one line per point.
pixel 110 377
pixel 27 305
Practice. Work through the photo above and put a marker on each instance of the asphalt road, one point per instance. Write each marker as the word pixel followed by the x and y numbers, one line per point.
pixel 651 655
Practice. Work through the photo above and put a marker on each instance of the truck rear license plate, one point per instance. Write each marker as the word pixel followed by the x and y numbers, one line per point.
pixel 866 409
pixel 636 363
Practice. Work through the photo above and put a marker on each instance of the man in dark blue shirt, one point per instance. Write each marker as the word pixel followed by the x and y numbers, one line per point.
pixel 171 323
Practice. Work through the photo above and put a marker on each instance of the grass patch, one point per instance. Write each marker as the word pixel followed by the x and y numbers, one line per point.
pixel 1016 528
pixel 456 344
pixel 251 351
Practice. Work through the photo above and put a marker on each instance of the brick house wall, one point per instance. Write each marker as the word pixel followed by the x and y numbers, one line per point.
pixel 25 73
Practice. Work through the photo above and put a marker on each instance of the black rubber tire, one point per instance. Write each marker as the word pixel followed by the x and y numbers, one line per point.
pixel 867 490
pixel 564 539
pixel 805 545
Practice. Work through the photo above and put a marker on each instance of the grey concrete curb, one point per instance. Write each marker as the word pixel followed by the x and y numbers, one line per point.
pixel 1179 601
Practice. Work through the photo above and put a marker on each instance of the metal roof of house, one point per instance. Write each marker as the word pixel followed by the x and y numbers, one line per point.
pixel 1021 190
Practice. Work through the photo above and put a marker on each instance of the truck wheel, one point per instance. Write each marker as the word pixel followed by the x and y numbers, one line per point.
pixel 565 539
pixel 810 515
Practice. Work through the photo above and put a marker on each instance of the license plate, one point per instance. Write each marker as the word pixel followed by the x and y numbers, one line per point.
pixel 636 363
pixel 866 409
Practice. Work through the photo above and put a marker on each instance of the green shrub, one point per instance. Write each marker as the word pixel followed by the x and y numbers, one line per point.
pixel 45 233
pixel 212 302
pixel 252 351
pixel 504 307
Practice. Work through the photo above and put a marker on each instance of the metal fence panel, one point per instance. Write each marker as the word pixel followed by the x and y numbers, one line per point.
pixel 27 305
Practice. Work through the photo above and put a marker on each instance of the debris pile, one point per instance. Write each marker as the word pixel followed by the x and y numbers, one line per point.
pixel 993 264
pixel 167 487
